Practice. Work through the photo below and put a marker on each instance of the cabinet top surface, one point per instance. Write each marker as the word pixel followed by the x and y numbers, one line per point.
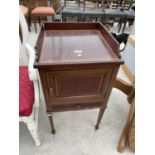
pixel 75 46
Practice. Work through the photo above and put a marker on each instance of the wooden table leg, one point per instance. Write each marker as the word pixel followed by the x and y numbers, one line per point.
pixel 101 112
pixel 51 122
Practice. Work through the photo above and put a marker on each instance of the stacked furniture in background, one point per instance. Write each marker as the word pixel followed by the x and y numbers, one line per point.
pixel 119 13
pixel 129 17
pixel 82 9
pixel 97 11
pixel 106 11
pixel 113 12
pixel 71 9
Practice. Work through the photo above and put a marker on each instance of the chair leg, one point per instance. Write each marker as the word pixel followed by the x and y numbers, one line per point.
pixel 29 20
pixel 53 18
pixel 39 21
pixel 29 16
pixel 28 23
pixel 120 25
pixel 84 19
pixel 103 20
pixel 78 18
pixel 32 126
pixel 124 26
pixel 35 25
pixel 96 19
pixel 63 18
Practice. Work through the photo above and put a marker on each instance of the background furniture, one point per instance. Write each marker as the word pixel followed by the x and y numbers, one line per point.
pixel 106 11
pixel 40 9
pixel 118 11
pixel 71 9
pixel 80 70
pixel 129 17
pixel 56 5
pixel 128 133
pixel 97 11
pixel 129 11
pixel 26 11
pixel 114 14
pixel 28 87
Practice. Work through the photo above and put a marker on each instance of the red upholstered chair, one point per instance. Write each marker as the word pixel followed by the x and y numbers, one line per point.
pixel 29 96
pixel 28 86
pixel 26 92
pixel 41 8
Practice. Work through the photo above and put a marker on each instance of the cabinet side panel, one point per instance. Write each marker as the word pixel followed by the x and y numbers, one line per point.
pixel 45 89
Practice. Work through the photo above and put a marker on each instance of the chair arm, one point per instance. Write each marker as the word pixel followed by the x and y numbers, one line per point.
pixel 122 86
pixel 126 88
pixel 32 71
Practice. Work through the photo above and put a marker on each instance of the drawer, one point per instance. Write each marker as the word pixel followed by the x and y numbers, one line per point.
pixel 75 106
pixel 77 103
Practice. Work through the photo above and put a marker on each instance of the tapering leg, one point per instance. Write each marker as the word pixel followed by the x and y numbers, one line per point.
pixel 101 112
pixel 51 122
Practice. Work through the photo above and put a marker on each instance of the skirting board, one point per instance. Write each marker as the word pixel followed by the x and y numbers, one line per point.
pixel 128 73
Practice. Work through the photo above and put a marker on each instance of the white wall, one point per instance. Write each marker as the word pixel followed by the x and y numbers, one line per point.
pixel 129 54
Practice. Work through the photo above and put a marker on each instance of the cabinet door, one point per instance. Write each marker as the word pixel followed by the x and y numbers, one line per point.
pixel 78 86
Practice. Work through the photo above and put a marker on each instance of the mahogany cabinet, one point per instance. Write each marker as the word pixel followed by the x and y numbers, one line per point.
pixel 77 64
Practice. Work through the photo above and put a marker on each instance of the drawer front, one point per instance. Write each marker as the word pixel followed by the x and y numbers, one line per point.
pixel 75 106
